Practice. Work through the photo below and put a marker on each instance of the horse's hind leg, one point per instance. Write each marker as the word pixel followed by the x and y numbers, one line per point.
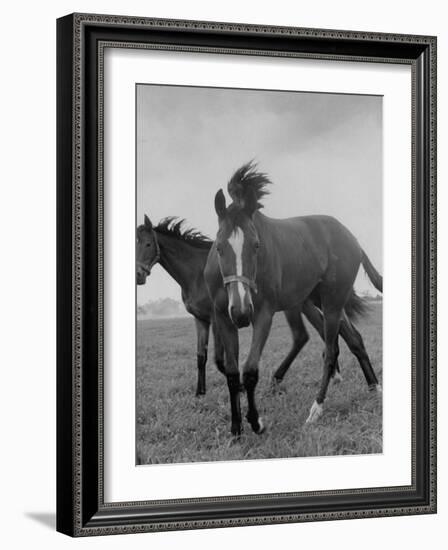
pixel 334 295
pixel 356 344
pixel 202 331
pixel 332 318
pixel 299 338
pixel 315 317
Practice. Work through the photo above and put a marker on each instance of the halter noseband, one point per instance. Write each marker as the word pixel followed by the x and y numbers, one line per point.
pixel 240 279
pixel 147 268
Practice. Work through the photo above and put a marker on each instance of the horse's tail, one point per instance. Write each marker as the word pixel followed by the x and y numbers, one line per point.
pixel 356 306
pixel 374 276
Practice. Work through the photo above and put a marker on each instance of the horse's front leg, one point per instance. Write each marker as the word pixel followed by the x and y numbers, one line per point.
pixel 228 334
pixel 262 326
pixel 202 331
pixel 219 349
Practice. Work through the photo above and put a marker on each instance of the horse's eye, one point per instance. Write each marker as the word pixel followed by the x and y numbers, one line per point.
pixel 148 244
pixel 219 249
pixel 257 245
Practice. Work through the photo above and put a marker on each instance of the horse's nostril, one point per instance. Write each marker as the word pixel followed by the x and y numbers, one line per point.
pixel 239 318
pixel 243 321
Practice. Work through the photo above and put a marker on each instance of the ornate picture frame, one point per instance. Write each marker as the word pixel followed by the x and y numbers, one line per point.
pixel 81 506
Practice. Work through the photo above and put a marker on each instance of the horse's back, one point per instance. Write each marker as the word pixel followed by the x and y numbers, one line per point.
pixel 303 251
pixel 342 250
pixel 320 229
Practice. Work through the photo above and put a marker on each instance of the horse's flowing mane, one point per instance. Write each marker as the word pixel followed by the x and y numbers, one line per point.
pixel 248 179
pixel 175 227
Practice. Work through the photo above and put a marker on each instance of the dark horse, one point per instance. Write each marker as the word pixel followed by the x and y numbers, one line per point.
pixel 183 254
pixel 259 265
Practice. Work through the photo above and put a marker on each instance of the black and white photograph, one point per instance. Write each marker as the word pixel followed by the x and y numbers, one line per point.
pixel 222 238
pixel 259 262
pixel 246 275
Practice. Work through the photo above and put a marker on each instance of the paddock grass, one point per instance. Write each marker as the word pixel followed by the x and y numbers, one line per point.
pixel 172 425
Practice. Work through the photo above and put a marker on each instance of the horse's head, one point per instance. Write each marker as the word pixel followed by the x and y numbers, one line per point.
pixel 237 246
pixel 147 252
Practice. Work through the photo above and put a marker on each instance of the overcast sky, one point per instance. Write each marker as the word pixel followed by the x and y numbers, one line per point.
pixel 323 153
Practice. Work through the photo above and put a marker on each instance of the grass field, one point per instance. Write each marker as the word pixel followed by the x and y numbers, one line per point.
pixel 172 425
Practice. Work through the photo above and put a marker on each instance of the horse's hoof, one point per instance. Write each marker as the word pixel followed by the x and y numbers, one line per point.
pixel 376 388
pixel 257 425
pixel 200 393
pixel 234 440
pixel 337 378
pixel 276 384
pixel 315 412
pixel 261 427
pixel 236 432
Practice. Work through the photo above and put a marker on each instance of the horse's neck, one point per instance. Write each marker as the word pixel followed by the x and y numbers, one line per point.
pixel 268 235
pixel 262 224
pixel 182 261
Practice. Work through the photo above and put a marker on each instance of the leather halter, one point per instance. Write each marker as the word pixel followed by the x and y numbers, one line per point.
pixel 147 268
pixel 241 279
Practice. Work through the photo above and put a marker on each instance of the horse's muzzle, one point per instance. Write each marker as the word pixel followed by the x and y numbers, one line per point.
pixel 241 319
pixel 141 277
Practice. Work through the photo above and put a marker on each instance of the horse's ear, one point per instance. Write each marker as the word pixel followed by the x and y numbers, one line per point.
pixel 148 223
pixel 220 204
pixel 250 202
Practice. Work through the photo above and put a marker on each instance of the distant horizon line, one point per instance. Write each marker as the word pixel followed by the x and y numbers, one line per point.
pixel 364 294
